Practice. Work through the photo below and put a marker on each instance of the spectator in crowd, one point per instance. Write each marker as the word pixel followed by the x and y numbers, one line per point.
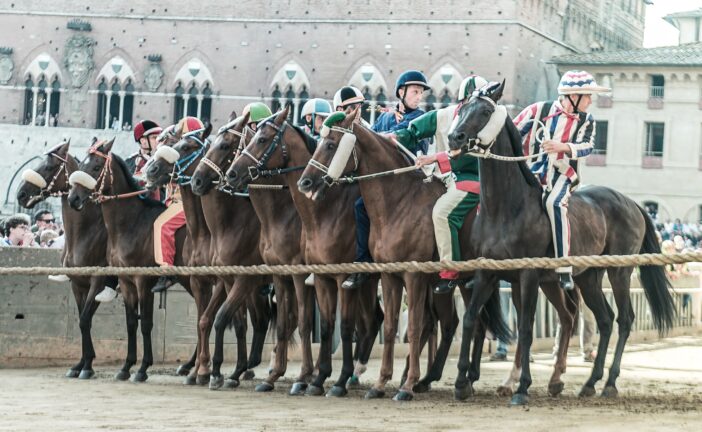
pixel 47 238
pixel 43 220
pixel 17 232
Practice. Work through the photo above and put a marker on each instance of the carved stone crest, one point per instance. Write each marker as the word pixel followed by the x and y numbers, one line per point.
pixel 153 77
pixel 78 59
pixel 6 65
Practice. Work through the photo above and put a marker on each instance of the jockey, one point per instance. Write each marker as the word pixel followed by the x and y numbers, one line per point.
pixel 314 112
pixel 257 111
pixel 347 98
pixel 567 134
pixel 463 193
pixel 409 88
pixel 173 218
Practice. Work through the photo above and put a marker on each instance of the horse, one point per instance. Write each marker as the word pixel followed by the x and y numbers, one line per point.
pixel 603 222
pixel 280 243
pixel 128 218
pixel 86 241
pixel 231 230
pixel 328 238
pixel 386 199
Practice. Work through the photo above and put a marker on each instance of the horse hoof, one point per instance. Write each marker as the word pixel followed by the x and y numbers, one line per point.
pixel 298 389
pixel 122 375
pixel 403 395
pixel 313 390
pixel 519 399
pixel 72 373
pixel 374 393
pixel 216 381
pixel 556 388
pixel 353 381
pixel 248 375
pixel 189 380
pixel 140 377
pixel 421 387
pixel 231 383
pixel 86 374
pixel 182 370
pixel 463 393
pixel 204 379
pixel 337 391
pixel 587 391
pixel 264 387
pixel 504 391
pixel 610 392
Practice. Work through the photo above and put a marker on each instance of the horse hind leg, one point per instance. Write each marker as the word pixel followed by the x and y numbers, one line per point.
pixel 130 309
pixel 445 308
pixel 590 283
pixel 371 320
pixel 240 324
pixel 146 313
pixel 261 313
pixel 620 278
pixel 392 299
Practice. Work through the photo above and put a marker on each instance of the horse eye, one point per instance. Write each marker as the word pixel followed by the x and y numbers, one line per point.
pixel 330 146
pixel 96 168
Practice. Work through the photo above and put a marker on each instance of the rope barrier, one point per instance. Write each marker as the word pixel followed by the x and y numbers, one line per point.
pixel 398 267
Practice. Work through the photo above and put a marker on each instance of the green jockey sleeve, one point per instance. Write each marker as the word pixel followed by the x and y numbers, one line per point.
pixel 420 128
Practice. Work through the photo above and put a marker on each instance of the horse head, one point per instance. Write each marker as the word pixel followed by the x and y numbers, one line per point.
pixel 91 171
pixel 228 142
pixel 49 178
pixel 174 159
pixel 261 152
pixel 479 121
pixel 333 155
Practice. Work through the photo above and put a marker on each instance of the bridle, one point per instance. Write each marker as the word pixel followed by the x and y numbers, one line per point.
pixel 47 190
pixel 182 164
pixel 243 135
pixel 98 195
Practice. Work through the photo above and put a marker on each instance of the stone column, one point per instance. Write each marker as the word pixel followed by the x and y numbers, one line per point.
pixel 296 110
pixel 372 108
pixel 121 107
pixel 35 93
pixel 199 105
pixel 108 99
pixel 48 106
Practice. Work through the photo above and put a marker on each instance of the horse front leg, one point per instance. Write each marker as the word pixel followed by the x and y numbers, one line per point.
pixel 131 298
pixel 445 309
pixel 529 283
pixel 86 323
pixel 348 310
pixel 146 313
pixel 80 296
pixel 417 290
pixel 204 328
pixel 327 300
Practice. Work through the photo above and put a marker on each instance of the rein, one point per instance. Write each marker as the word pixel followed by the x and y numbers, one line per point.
pixel 99 196
pixel 260 169
pixel 184 163
pixel 46 191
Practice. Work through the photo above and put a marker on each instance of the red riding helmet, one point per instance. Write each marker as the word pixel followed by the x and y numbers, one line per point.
pixel 145 128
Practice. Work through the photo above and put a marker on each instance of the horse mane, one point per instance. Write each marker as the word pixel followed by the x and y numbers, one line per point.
pixel 515 140
pixel 132 183
pixel 308 139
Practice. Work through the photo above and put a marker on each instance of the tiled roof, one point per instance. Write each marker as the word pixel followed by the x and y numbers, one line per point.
pixel 687 55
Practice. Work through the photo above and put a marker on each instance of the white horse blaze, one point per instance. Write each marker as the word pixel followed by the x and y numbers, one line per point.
pixel 33 177
pixel 82 178
pixel 341 157
pixel 168 154
pixel 489 133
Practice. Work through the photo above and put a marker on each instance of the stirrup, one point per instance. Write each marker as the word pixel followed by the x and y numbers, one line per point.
pixel 565 281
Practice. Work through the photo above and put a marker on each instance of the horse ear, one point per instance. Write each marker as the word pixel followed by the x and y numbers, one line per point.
pixel 283 115
pixel 62 149
pixel 246 118
pixel 178 132
pixel 496 94
pixel 232 115
pixel 351 117
pixel 207 131
pixel 107 147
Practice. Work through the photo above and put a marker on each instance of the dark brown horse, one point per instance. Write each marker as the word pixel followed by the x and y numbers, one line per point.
pixel 86 241
pixel 280 243
pixel 234 237
pixel 280 148
pixel 129 222
pixel 397 220
pixel 602 221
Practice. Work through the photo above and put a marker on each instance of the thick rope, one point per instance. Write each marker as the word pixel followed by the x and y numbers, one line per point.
pixel 400 267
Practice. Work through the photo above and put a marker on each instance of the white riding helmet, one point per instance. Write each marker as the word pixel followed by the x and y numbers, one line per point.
pixel 316 106
pixel 470 84
pixel 346 96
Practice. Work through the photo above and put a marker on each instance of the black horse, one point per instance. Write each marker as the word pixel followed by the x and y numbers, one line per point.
pixel 513 224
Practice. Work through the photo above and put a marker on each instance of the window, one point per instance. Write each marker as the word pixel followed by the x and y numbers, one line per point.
pixel 304 97
pixel 446 99
pixel 657 86
pixel 654 139
pixel 366 112
pixel 275 99
pixel 115 104
pixel 430 101
pixel 195 102
pixel 41 101
pixel 601 130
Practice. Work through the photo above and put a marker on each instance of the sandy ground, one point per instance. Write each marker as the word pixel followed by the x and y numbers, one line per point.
pixel 660 389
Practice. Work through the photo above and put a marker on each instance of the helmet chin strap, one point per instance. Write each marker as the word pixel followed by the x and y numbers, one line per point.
pixel 575 104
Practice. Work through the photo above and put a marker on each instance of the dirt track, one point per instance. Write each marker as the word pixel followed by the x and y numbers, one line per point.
pixel 660 389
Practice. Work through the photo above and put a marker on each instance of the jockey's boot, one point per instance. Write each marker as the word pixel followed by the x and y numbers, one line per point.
pixel 163 283
pixel 445 286
pixel 355 280
pixel 106 295
pixel 565 281
pixel 265 290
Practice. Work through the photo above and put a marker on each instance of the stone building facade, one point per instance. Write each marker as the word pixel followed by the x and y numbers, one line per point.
pixel 93 64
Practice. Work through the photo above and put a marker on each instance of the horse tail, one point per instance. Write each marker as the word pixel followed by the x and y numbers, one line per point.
pixel 491 317
pixel 655 282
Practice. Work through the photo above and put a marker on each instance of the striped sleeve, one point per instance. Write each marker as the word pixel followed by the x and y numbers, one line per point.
pixel 525 125
pixel 584 141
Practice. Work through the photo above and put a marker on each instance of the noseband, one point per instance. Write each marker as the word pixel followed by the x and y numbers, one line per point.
pixel 47 190
pixel 259 168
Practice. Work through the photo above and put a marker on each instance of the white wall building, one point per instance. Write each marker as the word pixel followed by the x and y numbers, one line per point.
pixel 649 130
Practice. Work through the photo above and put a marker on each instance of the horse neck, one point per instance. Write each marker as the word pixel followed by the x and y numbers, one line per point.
pixel 194 215
pixel 123 214
pixel 375 156
pixel 82 227
pixel 504 191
